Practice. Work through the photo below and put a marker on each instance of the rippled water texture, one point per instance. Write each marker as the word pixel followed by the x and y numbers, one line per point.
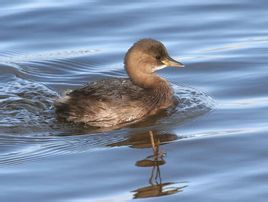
pixel 211 147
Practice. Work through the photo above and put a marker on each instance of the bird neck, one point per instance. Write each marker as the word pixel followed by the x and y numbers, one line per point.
pixel 145 80
pixel 160 94
pixel 140 77
pixel 150 81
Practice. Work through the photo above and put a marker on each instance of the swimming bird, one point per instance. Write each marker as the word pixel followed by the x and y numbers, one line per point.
pixel 114 102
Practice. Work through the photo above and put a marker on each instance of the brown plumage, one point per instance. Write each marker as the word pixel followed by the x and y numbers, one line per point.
pixel 114 102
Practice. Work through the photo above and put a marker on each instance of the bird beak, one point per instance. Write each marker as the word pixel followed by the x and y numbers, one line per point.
pixel 171 62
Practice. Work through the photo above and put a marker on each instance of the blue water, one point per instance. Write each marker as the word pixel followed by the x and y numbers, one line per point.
pixel 212 148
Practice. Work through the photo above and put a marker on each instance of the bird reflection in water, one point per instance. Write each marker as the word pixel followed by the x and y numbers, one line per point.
pixel 156 186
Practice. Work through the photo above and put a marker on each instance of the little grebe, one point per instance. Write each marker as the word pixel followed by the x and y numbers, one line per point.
pixel 119 101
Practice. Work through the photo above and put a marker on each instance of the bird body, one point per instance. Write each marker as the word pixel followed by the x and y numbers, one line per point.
pixel 120 101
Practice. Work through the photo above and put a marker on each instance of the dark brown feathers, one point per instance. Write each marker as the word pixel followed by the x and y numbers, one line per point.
pixel 108 102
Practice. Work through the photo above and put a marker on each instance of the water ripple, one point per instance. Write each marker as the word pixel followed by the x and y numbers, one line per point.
pixel 16 57
pixel 25 106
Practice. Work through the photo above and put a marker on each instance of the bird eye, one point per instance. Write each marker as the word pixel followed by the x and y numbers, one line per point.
pixel 158 57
